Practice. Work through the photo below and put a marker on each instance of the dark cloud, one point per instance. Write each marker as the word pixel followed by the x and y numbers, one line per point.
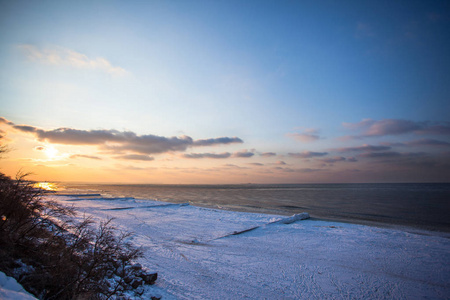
pixel 25 128
pixel 392 154
pixel 309 170
pixel 135 157
pixel 39 148
pixel 332 160
pixel 436 129
pixel 235 167
pixel 301 170
pixel 74 156
pixel 362 148
pixel 243 153
pixel 428 142
pixel 392 127
pixel 268 154
pixel 307 154
pixel 119 141
pixel 286 170
pixel 256 164
pixel 216 141
pixel 207 155
pixel 384 127
pixel 150 144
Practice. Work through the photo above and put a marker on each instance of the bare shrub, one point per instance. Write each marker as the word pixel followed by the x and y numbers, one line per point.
pixel 65 259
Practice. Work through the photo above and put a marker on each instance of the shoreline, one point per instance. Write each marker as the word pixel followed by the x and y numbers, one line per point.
pixel 410 228
pixel 196 250
pixel 403 226
pixel 381 206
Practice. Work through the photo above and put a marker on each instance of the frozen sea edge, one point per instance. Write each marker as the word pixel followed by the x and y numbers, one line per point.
pixel 204 253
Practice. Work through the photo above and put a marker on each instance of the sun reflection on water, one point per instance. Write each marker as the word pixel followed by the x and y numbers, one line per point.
pixel 47 186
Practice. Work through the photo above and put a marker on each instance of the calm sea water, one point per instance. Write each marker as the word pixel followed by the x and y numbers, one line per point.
pixel 420 205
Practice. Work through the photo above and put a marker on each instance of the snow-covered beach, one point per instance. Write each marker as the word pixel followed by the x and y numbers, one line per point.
pixel 196 255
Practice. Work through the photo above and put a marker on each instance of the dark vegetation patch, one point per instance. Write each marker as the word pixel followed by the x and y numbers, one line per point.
pixel 56 257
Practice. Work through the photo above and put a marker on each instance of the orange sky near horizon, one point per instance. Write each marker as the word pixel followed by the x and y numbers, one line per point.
pixel 73 161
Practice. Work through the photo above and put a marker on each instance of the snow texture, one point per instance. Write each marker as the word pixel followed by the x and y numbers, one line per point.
pixel 202 253
pixel 11 290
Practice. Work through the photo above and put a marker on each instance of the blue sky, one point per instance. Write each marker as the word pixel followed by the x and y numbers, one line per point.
pixel 302 80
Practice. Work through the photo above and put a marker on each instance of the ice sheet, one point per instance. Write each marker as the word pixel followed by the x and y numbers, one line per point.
pixel 196 257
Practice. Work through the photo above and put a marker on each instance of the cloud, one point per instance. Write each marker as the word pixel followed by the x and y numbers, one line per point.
pixel 307 154
pixel 235 167
pixel 436 129
pixel 392 127
pixel 216 141
pixel 428 142
pixel 309 170
pixel 384 127
pixel 392 154
pixel 308 135
pixel 267 154
pixel 362 148
pixel 372 128
pixel 300 170
pixel 147 144
pixel 25 128
pixel 74 156
pixel 62 56
pixel 332 160
pixel 256 164
pixel 118 141
pixel 238 154
pixel 135 157
pixel 207 155
pixel 243 154
pixel 5 121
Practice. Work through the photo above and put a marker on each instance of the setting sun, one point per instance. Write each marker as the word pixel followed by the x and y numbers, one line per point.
pixel 51 152
pixel 48 186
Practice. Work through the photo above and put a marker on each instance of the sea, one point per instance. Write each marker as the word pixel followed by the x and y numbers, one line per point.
pixel 417 205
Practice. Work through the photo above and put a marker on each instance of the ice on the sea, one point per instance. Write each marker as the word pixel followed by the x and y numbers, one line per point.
pixel 198 254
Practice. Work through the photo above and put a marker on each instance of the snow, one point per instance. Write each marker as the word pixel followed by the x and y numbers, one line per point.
pixel 202 253
pixel 11 290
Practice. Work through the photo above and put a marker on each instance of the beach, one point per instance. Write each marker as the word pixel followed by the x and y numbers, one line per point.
pixel 198 254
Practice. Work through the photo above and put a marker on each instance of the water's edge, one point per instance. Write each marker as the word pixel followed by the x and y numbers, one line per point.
pixel 414 206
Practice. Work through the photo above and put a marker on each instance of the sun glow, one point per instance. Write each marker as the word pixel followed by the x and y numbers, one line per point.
pixel 47 186
pixel 51 152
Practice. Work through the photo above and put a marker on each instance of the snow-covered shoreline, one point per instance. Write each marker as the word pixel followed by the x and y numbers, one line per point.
pixel 197 256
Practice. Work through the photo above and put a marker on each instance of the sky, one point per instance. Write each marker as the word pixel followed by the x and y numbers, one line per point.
pixel 209 92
